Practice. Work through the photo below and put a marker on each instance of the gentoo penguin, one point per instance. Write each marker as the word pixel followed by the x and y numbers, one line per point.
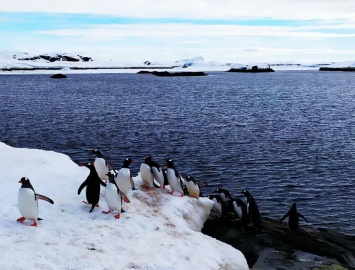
pixel 225 197
pixel 158 173
pixel 293 215
pixel 113 195
pixel 174 178
pixel 253 214
pixel 28 201
pixel 217 206
pixel 123 178
pixel 192 187
pixel 146 173
pixel 100 164
pixel 239 208
pixel 92 184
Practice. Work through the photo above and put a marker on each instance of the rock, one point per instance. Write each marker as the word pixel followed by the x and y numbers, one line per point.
pixel 276 246
pixel 144 72
pixel 337 69
pixel 173 74
pixel 59 76
pixel 254 69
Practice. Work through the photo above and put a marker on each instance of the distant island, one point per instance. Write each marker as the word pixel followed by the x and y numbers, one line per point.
pixel 253 69
pixel 173 74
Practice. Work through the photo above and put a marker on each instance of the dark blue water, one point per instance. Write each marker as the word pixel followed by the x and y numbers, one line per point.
pixel 285 136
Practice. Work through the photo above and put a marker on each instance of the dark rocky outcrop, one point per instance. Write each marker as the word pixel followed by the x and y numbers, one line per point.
pixel 254 69
pixel 175 74
pixel 59 76
pixel 337 69
pixel 58 57
pixel 144 72
pixel 275 247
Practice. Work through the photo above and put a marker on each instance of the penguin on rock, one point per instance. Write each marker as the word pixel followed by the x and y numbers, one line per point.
pixel 100 164
pixel 92 184
pixel 225 198
pixel 175 182
pixel 239 208
pixel 192 187
pixel 293 217
pixel 113 195
pixel 217 207
pixel 253 214
pixel 146 173
pixel 123 178
pixel 28 202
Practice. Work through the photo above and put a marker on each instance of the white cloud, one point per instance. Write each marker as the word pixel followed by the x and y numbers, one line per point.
pixel 197 9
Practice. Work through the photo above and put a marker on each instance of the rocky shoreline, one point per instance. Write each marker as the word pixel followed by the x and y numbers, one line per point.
pixel 275 247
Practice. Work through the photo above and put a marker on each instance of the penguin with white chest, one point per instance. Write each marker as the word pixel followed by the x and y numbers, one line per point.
pixel 239 208
pixel 113 195
pixel 92 184
pixel 253 214
pixel 100 164
pixel 28 201
pixel 146 173
pixel 123 178
pixel 192 187
pixel 174 179
pixel 293 217
pixel 158 173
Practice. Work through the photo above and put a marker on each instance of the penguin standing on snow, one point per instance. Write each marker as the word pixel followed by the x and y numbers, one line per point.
pixel 28 201
pixel 158 173
pixel 100 164
pixel 146 173
pixel 174 179
pixel 192 187
pixel 92 184
pixel 253 214
pixel 113 195
pixel 123 178
pixel 293 217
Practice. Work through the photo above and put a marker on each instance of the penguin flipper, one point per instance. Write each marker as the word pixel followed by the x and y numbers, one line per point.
pixel 84 184
pixel 301 216
pixel 285 216
pixel 102 183
pixel 125 197
pixel 44 198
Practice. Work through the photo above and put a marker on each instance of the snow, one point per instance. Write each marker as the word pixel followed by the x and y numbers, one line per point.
pixel 157 231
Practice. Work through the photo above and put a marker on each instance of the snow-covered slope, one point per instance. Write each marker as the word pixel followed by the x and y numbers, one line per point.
pixel 157 231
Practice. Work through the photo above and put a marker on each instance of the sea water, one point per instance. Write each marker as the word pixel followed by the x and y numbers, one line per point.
pixel 287 136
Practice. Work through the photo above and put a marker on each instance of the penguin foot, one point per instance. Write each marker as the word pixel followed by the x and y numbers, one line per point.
pixel 21 219
pixel 149 188
pixel 34 224
pixel 85 202
pixel 182 195
pixel 97 205
pixel 117 216
pixel 106 212
pixel 171 192
pixel 126 200
pixel 163 187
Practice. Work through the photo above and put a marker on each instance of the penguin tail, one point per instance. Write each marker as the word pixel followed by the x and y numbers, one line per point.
pixel 39 218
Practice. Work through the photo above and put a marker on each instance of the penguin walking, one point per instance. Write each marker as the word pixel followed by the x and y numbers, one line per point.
pixel 225 197
pixel 123 178
pixel 239 208
pixel 113 195
pixel 158 173
pixel 28 201
pixel 146 173
pixel 174 179
pixel 92 184
pixel 192 187
pixel 293 217
pixel 253 214
pixel 100 164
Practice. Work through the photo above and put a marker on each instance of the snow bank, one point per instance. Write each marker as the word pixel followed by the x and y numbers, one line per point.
pixel 157 231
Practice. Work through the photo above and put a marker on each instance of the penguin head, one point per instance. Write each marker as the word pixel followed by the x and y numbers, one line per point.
pixel 127 162
pixel 293 206
pixel 111 176
pixel 148 159
pixel 24 180
pixel 170 163
pixel 88 165
pixel 96 152
pixel 189 178
pixel 246 193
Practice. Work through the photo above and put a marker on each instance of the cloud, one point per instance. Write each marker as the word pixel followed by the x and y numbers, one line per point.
pixel 197 9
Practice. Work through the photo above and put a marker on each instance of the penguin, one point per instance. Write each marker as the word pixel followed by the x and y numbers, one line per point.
pixel 146 173
pixel 225 197
pixel 217 205
pixel 123 178
pixel 174 179
pixel 293 217
pixel 253 214
pixel 100 164
pixel 92 184
pixel 239 208
pixel 158 173
pixel 113 195
pixel 192 187
pixel 28 201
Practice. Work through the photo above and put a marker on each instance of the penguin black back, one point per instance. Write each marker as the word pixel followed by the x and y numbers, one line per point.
pixel 92 184
pixel 253 214
pixel 293 217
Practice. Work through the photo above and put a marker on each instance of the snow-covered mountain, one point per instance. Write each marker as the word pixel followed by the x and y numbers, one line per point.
pixel 158 231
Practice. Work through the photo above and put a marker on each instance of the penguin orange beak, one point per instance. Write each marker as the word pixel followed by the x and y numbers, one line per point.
pixel 20 181
pixel 106 174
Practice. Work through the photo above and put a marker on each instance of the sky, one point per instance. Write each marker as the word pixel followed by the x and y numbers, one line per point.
pixel 226 31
